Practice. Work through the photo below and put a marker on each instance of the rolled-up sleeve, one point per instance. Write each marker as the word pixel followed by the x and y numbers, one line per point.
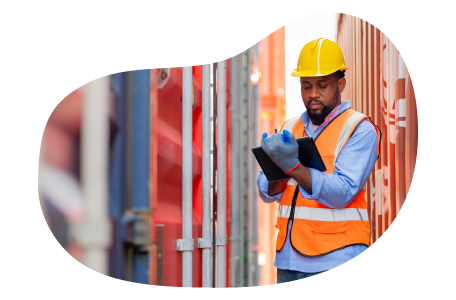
pixel 351 170
pixel 317 181
pixel 263 186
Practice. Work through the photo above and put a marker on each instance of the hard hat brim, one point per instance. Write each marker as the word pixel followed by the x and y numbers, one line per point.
pixel 315 73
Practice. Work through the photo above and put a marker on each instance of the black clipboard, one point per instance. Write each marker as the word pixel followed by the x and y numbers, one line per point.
pixel 308 156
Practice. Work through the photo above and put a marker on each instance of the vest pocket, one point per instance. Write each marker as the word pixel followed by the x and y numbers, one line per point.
pixel 328 160
pixel 328 227
pixel 314 238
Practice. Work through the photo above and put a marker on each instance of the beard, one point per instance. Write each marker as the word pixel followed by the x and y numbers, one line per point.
pixel 318 118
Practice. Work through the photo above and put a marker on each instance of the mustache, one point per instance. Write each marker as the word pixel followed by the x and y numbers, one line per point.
pixel 315 100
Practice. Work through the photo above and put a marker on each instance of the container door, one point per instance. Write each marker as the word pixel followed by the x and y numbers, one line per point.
pixel 129 182
pixel 168 214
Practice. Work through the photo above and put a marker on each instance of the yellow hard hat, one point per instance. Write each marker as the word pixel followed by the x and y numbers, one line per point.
pixel 319 57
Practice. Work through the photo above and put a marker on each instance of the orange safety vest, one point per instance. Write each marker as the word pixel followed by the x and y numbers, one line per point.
pixel 317 229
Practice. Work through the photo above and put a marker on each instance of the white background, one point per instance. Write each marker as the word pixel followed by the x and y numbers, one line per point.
pixel 297 34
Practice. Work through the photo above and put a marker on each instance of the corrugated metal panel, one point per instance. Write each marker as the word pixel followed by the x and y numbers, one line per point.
pixel 246 238
pixel 379 85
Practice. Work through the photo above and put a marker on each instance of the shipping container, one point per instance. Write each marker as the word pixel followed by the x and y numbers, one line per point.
pixel 144 175
pixel 401 73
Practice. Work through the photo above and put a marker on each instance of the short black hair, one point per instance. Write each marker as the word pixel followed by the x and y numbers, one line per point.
pixel 339 74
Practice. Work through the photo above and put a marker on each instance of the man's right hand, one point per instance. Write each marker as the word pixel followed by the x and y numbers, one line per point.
pixel 282 149
pixel 278 186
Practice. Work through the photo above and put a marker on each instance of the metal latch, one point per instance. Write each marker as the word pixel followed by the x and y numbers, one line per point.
pixel 185 244
pixel 204 243
pixel 136 229
pixel 221 240
pixel 207 242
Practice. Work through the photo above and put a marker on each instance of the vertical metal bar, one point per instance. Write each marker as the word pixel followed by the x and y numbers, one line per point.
pixel 214 150
pixel 94 231
pixel 249 170
pixel 252 229
pixel 187 173
pixel 254 170
pixel 156 249
pixel 117 177
pixel 140 166
pixel 221 174
pixel 130 87
pixel 234 230
pixel 129 150
pixel 137 169
pixel 206 119
pixel 242 174
pixel 212 171
pixel 255 204
pixel 140 134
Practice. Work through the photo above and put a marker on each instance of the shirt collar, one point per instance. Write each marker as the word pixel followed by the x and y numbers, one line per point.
pixel 334 113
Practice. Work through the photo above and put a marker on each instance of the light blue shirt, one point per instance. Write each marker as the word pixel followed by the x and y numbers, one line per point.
pixel 351 171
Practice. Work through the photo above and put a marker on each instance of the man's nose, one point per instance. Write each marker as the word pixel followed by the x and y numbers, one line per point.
pixel 314 93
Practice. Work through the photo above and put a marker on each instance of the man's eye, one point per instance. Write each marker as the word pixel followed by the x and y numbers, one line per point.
pixel 323 87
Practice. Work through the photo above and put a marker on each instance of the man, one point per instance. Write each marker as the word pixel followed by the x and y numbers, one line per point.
pixel 322 220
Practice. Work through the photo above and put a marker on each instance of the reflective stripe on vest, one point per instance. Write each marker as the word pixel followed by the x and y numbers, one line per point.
pixel 317 229
pixel 324 214
pixel 344 134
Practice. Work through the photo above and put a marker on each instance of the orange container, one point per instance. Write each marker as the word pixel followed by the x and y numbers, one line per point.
pixel 398 72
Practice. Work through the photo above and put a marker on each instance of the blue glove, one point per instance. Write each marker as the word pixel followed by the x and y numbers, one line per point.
pixel 282 149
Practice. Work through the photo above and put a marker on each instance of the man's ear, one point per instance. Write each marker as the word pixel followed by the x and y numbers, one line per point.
pixel 341 83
